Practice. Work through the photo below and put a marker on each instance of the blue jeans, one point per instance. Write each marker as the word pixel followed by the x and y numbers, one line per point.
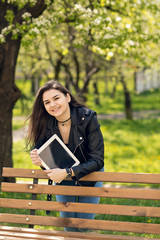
pixel 63 198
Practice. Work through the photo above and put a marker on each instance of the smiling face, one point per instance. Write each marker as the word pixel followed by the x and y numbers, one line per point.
pixel 57 104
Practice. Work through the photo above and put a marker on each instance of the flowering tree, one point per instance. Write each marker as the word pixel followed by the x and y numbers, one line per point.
pixel 16 18
pixel 108 27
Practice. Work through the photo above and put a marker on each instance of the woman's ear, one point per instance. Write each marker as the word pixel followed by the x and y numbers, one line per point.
pixel 68 97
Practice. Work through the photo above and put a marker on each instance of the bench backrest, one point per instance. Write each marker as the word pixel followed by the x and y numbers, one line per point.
pixel 123 208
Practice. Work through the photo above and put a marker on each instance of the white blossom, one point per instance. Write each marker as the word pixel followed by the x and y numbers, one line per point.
pixel 107 36
pixel 128 25
pixel 97 21
pixel 11 1
pixel 33 1
pixel 88 13
pixel 97 49
pixel 26 15
pixel 35 30
pixel 95 11
pixel 78 7
pixel 118 19
pixel 108 28
pixel 80 26
pixel 108 19
pixel 2 38
pixel 47 2
pixel 41 21
pixel 110 54
pixel 131 43
pixel 125 51
pixel 6 29
pixel 15 31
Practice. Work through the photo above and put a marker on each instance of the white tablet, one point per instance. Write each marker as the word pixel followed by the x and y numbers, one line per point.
pixel 55 154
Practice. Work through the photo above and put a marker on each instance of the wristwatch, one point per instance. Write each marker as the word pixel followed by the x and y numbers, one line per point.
pixel 69 172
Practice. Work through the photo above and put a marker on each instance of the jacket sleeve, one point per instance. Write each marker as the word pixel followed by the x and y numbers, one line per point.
pixel 95 150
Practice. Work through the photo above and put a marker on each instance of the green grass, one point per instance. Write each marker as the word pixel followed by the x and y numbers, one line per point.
pixel 132 146
pixel 144 101
pixel 21 157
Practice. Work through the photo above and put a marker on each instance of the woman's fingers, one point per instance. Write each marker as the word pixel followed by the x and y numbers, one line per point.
pixel 36 160
pixel 57 174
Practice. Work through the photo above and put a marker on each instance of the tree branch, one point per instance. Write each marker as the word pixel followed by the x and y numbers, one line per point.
pixel 35 11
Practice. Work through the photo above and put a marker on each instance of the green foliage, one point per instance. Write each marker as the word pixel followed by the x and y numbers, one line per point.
pixel 17 124
pixel 9 16
pixel 24 104
pixel 131 146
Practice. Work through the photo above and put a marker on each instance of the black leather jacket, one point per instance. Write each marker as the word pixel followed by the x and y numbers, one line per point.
pixel 85 140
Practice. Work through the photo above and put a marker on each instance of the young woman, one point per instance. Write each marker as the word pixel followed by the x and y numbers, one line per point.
pixel 56 111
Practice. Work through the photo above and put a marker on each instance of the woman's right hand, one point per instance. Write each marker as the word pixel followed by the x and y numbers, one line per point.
pixel 36 160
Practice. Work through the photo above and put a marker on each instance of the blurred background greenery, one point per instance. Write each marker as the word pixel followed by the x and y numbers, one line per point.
pixel 130 145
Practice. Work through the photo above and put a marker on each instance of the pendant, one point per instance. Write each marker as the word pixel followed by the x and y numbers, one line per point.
pixel 62 124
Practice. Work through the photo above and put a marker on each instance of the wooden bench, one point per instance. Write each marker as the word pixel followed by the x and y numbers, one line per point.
pixel 137 202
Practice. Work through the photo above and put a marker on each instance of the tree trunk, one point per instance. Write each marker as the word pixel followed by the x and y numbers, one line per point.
pixel 9 94
pixel 128 104
pixel 114 87
pixel 96 93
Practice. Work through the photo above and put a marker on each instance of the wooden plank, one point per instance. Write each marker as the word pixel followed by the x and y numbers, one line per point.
pixel 131 193
pixel 11 238
pixel 20 235
pixel 81 223
pixel 90 235
pixel 81 207
pixel 95 176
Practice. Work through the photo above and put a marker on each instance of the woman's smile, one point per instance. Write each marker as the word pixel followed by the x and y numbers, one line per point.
pixel 57 104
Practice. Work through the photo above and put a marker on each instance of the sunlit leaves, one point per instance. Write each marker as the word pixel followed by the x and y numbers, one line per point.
pixel 108 26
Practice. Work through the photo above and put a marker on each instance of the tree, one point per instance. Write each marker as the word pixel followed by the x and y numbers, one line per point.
pixel 107 27
pixel 13 25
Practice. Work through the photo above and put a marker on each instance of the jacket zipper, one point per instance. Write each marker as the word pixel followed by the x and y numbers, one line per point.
pixel 82 153
pixel 77 146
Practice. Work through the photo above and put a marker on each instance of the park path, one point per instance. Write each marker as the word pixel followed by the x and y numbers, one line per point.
pixel 20 133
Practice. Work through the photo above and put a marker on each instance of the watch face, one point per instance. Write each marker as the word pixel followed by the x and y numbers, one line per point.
pixel 69 173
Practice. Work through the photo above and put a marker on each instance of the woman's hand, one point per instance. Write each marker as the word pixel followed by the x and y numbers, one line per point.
pixel 56 174
pixel 36 160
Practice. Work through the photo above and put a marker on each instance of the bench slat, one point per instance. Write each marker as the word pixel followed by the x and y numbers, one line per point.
pixel 19 236
pixel 82 191
pixel 91 235
pixel 95 176
pixel 81 223
pixel 81 207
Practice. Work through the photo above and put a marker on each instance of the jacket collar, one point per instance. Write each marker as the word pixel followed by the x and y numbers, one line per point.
pixel 79 115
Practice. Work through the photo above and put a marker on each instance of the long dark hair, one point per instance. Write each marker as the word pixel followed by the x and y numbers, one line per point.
pixel 39 116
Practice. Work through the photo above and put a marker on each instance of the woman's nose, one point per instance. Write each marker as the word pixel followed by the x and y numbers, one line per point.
pixel 52 103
